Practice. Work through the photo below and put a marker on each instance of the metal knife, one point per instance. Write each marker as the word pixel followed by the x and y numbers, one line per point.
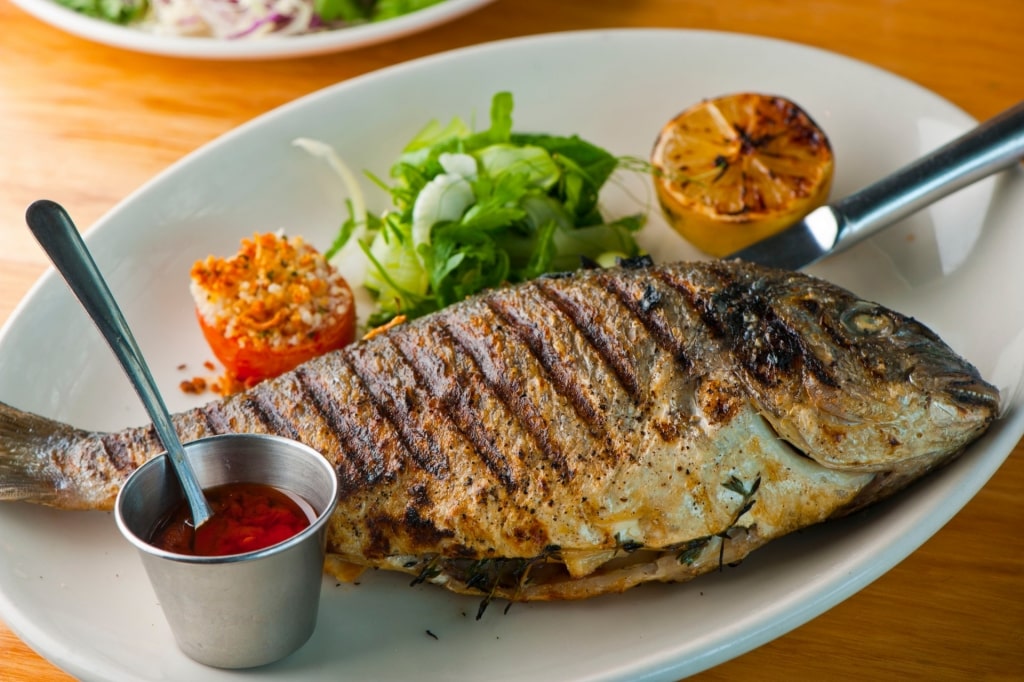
pixel 994 145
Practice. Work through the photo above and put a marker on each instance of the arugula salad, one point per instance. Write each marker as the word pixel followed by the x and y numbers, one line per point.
pixel 476 210
pixel 231 19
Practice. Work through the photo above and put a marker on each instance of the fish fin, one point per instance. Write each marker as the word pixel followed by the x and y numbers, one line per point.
pixel 26 471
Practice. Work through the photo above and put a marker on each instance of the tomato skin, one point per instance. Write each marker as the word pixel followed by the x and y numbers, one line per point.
pixel 250 364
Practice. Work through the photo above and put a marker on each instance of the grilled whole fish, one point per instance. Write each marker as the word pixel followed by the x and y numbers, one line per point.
pixel 584 433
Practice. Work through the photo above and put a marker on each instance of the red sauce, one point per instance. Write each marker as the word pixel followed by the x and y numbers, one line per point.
pixel 246 517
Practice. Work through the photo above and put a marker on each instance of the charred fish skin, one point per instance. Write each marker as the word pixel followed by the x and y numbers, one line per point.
pixel 584 433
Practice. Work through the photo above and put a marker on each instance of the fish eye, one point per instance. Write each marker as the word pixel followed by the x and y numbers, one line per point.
pixel 866 319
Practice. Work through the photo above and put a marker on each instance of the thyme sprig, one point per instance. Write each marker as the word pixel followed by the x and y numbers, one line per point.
pixel 430 570
pixel 736 485
pixel 486 576
pixel 627 546
pixel 691 550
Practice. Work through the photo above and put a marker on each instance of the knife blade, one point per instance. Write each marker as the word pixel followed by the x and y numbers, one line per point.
pixel 992 146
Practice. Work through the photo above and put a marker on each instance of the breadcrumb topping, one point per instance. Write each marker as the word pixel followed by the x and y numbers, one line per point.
pixel 275 292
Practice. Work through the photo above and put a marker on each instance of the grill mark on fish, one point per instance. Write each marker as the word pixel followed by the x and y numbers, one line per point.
pixel 362 461
pixel 703 306
pixel 554 364
pixel 118 449
pixel 214 418
pixel 608 347
pixel 573 369
pixel 650 316
pixel 262 406
pixel 791 341
pixel 396 408
pixel 453 398
pixel 418 524
pixel 497 377
pixel 629 312
pixel 741 315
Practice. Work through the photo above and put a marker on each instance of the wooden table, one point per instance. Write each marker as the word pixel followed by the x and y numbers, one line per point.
pixel 88 124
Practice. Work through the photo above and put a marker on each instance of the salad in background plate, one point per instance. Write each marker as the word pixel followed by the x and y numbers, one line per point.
pixel 244 29
pixel 244 19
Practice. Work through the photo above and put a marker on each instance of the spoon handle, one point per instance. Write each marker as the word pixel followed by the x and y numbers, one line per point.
pixel 56 233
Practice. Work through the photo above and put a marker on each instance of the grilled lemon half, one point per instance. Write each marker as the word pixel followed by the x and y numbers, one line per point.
pixel 733 170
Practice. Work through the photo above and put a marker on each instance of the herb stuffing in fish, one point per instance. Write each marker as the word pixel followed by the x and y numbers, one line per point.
pixel 581 434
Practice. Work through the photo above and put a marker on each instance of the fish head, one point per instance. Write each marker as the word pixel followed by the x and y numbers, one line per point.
pixel 855 385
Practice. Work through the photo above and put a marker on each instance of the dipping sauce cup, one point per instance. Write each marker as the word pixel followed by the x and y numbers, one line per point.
pixel 238 610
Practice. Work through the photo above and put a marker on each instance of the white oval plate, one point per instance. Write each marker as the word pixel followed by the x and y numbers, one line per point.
pixel 271 47
pixel 77 593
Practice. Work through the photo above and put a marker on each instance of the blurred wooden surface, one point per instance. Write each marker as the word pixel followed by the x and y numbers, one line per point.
pixel 88 124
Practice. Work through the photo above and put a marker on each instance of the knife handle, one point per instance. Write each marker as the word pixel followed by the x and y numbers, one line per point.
pixel 996 144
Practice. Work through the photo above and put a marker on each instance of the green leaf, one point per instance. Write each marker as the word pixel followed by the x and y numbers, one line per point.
pixel 432 140
pixel 114 11
pixel 533 163
pixel 351 11
pixel 389 9
pixel 543 253
pixel 593 243
pixel 466 261
pixel 501 117
pixel 589 159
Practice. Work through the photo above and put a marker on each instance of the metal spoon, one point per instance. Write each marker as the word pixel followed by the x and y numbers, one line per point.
pixel 52 227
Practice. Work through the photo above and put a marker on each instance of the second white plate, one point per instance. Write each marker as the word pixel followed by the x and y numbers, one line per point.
pixel 272 47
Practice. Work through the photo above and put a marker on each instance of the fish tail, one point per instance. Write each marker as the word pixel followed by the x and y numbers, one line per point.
pixel 28 443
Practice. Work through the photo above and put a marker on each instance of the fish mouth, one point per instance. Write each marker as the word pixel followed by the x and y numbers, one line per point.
pixel 962 385
pixel 973 393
